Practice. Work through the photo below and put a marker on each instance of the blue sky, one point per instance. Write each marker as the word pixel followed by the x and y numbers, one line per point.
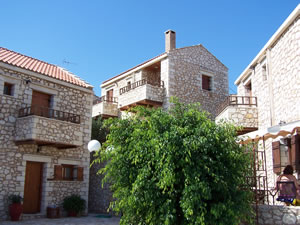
pixel 100 39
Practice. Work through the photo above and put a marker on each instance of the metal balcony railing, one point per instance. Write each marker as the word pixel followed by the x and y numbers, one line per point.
pixel 139 83
pixel 234 100
pixel 105 98
pixel 49 113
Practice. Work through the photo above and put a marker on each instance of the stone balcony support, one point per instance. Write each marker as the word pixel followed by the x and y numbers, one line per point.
pixel 44 131
pixel 105 109
pixel 146 94
pixel 241 111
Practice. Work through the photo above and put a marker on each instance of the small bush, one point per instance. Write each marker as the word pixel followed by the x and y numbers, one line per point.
pixel 74 203
pixel 15 198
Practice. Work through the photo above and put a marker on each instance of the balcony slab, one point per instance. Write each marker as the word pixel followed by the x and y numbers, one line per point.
pixel 143 95
pixel 105 109
pixel 45 131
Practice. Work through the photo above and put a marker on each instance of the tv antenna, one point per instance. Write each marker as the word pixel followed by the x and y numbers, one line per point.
pixel 68 62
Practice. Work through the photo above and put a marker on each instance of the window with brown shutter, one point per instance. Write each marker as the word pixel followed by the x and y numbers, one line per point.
pixel 294 153
pixel 276 156
pixel 68 172
pixel 80 173
pixel 58 172
pixel 206 83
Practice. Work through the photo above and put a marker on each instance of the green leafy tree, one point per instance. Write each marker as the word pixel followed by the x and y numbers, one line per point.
pixel 99 131
pixel 175 167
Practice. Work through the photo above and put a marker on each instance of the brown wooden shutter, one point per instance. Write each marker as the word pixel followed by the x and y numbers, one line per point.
pixel 80 173
pixel 294 152
pixel 58 172
pixel 110 95
pixel 276 156
pixel 205 82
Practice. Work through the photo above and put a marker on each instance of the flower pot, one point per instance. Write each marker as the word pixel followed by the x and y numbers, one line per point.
pixel 72 213
pixel 15 211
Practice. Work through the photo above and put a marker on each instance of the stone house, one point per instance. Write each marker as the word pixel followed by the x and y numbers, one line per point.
pixel 190 73
pixel 45 125
pixel 268 99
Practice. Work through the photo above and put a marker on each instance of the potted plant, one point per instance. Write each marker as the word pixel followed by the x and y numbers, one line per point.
pixel 74 205
pixel 16 207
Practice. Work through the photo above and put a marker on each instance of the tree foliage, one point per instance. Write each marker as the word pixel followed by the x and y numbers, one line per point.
pixel 175 167
pixel 99 131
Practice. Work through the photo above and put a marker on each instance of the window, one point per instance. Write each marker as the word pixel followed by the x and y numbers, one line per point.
pixel 264 72
pixel 286 152
pixel 206 83
pixel 68 172
pixel 8 89
pixel 128 86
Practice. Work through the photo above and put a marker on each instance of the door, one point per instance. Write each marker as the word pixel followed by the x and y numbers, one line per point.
pixel 33 187
pixel 110 95
pixel 40 103
pixel 249 93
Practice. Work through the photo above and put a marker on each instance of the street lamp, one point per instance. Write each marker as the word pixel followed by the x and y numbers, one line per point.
pixel 94 145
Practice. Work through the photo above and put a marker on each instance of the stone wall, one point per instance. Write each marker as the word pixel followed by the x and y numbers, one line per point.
pixel 186 67
pixel 45 129
pixel 277 214
pixel 278 89
pixel 65 97
pixel 143 92
pixel 242 116
pixel 100 195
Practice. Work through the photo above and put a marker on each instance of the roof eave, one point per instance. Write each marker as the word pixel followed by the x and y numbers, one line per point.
pixel 143 65
pixel 271 41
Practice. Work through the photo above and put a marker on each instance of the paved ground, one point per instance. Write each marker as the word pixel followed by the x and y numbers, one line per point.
pixel 87 220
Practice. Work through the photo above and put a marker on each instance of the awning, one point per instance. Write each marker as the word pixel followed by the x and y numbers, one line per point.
pixel 272 132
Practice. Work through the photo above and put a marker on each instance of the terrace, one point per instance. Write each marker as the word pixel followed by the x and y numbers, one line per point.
pixel 241 110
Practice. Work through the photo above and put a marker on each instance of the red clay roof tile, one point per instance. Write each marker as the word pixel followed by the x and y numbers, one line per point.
pixel 38 66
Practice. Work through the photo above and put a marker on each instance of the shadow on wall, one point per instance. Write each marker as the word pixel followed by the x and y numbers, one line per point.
pixel 99 198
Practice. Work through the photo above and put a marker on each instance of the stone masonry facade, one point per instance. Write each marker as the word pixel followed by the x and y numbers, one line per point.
pixel 275 80
pixel 14 156
pixel 186 69
pixel 180 75
pixel 275 83
pixel 278 214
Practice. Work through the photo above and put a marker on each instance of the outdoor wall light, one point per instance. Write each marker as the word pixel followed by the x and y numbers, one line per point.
pixel 94 145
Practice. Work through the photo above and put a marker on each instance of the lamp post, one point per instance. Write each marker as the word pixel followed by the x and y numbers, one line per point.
pixel 94 145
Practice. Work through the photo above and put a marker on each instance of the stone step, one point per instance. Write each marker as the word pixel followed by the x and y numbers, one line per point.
pixel 32 216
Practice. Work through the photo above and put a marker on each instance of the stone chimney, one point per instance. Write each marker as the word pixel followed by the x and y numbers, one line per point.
pixel 170 37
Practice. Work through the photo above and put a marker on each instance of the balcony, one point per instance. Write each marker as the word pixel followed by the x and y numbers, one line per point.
pixel 105 107
pixel 241 110
pixel 143 92
pixel 48 127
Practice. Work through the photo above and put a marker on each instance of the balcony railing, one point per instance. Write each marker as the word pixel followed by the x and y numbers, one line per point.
pixel 141 83
pixel 234 100
pixel 49 113
pixel 105 98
